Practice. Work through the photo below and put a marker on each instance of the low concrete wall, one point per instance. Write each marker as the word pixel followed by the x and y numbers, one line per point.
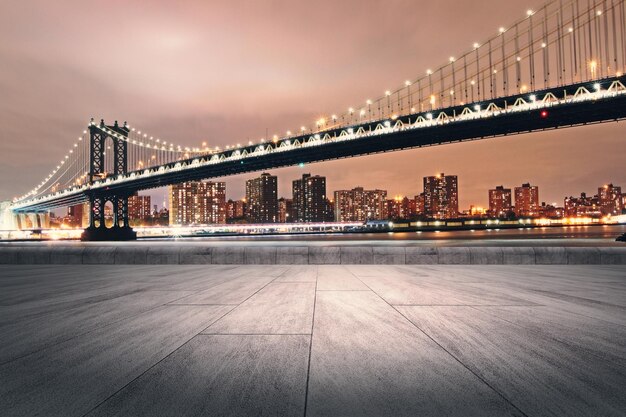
pixel 315 255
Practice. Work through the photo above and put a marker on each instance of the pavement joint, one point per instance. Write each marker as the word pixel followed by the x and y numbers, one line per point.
pixel 446 350
pixel 308 370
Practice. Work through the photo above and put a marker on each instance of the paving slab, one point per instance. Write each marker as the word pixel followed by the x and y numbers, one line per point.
pixel 73 377
pixel 230 291
pixel 31 334
pixel 598 337
pixel 221 375
pixel 278 308
pixel 337 278
pixel 368 360
pixel 299 274
pixel 537 374
pixel 399 289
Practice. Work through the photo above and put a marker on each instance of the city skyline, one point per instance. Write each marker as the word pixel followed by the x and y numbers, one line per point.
pixel 438 200
pixel 285 186
pixel 193 107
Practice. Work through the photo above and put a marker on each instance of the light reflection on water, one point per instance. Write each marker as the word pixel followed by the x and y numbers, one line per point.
pixel 583 235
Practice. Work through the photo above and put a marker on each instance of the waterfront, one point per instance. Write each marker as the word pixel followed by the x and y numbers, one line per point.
pixel 598 235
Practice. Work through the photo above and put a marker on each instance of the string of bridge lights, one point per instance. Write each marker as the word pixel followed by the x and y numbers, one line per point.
pixel 149 142
pixel 322 122
pixel 54 171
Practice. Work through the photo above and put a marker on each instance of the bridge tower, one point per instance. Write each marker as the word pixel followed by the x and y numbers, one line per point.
pixel 120 229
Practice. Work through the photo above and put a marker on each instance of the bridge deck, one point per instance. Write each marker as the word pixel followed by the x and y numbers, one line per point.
pixel 313 340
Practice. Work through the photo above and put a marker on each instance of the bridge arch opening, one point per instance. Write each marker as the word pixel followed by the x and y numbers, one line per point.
pixel 109 215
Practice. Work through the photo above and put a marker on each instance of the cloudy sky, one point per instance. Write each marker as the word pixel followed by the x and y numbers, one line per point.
pixel 225 71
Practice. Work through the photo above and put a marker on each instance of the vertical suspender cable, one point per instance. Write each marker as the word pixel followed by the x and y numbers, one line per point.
pixel 605 18
pixel 546 64
pixel 517 60
pixel 614 33
pixel 531 51
pixel 505 70
pixel 490 71
pixel 465 75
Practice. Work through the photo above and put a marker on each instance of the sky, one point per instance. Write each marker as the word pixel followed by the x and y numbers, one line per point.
pixel 224 72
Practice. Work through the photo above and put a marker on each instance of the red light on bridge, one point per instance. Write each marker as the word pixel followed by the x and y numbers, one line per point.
pixel 544 114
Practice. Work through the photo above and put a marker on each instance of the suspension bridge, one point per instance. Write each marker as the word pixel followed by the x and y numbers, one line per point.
pixel 561 65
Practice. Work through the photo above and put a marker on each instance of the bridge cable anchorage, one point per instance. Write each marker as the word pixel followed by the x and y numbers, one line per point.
pixel 555 54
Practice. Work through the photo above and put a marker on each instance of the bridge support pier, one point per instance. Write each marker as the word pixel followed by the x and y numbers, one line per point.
pixel 118 228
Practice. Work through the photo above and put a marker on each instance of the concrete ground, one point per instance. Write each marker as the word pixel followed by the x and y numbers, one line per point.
pixel 327 340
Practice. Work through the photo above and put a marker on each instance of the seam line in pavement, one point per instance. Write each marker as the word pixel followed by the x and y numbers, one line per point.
pixel 148 369
pixel 249 297
pixel 545 335
pixel 445 350
pixel 200 304
pixel 308 369
pixel 253 334
pixel 468 305
pixel 89 331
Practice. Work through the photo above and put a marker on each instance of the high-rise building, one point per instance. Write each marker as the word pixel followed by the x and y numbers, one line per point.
pixel 582 206
pixel 138 209
pixel 400 208
pixel 527 200
pixel 500 203
pixel 262 199
pixel 285 210
pixel 419 204
pixel 198 203
pixel 610 199
pixel 360 205
pixel 235 210
pixel 309 199
pixel 441 196
pixel 329 214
